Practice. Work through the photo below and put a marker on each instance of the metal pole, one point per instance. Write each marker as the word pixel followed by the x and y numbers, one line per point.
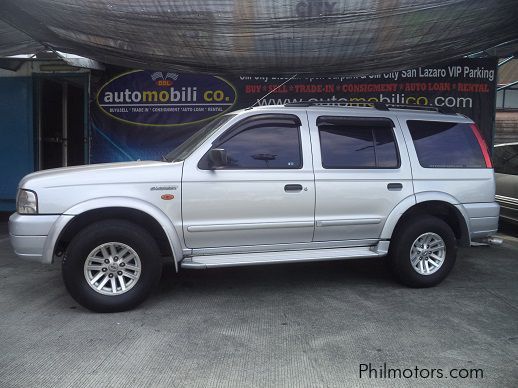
pixel 39 93
pixel 64 107
pixel 507 86
pixel 86 118
pixel 503 62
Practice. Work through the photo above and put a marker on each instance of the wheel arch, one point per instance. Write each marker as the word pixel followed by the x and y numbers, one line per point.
pixel 152 218
pixel 440 205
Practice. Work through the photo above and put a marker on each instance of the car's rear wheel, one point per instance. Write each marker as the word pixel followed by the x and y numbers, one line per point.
pixel 111 265
pixel 423 252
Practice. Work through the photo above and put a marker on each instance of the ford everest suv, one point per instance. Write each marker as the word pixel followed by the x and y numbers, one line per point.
pixel 266 185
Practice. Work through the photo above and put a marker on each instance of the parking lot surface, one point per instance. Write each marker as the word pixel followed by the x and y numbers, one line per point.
pixel 298 325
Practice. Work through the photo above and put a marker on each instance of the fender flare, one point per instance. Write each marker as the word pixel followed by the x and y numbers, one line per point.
pixel 395 215
pixel 443 197
pixel 410 201
pixel 127 202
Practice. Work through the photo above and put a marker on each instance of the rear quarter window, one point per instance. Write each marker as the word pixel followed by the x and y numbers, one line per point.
pixel 446 145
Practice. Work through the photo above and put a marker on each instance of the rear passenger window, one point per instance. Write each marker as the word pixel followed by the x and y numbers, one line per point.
pixel 347 142
pixel 446 145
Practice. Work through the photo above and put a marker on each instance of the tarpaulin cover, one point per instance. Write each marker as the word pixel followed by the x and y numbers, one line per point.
pixel 269 36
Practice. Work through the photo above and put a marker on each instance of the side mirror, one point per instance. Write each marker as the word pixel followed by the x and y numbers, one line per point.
pixel 217 158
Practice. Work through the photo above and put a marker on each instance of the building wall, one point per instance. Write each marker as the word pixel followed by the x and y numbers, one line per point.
pixel 18 122
pixel 506 124
pixel 506 127
pixel 16 133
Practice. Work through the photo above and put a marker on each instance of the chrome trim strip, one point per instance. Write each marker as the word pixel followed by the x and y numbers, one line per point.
pixel 507 200
pixel 280 247
pixel 357 221
pixel 262 225
pixel 509 218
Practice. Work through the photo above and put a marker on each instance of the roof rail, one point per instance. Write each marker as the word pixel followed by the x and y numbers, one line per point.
pixel 375 104
pixel 440 109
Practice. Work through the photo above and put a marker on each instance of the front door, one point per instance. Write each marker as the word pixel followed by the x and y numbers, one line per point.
pixel 263 195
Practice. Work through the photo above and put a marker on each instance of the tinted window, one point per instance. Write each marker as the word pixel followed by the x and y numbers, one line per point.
pixel 446 145
pixel 505 159
pixel 351 146
pixel 386 152
pixel 264 147
pixel 186 148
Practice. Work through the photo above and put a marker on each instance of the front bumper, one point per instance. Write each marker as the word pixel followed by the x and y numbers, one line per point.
pixel 33 236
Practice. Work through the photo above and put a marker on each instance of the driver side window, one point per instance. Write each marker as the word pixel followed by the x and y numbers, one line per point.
pixel 262 146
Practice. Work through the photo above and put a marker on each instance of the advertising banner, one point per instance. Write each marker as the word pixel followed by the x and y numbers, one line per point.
pixel 144 114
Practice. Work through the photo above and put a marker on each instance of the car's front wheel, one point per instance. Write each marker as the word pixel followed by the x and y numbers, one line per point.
pixel 111 265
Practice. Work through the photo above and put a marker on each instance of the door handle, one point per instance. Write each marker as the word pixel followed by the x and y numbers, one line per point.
pixel 292 188
pixel 395 186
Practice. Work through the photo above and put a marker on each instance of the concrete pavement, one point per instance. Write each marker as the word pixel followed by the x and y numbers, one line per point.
pixel 298 325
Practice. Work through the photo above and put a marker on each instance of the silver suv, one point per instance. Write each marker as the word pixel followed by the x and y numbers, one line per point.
pixel 267 185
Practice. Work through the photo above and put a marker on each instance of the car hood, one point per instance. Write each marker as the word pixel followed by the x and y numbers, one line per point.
pixel 106 173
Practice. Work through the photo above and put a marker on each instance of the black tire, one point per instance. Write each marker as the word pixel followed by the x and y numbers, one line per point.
pixel 96 234
pixel 402 242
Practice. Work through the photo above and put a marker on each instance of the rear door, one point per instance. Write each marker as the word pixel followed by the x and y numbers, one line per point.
pixel 361 173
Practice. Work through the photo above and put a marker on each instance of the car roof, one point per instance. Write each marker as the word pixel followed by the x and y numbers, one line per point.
pixel 405 114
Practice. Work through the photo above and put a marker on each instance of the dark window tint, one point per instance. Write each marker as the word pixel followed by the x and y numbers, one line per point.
pixel 386 153
pixel 350 146
pixel 446 145
pixel 505 159
pixel 264 147
pixel 187 147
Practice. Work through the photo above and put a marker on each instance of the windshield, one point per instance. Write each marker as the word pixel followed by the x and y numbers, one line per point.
pixel 187 147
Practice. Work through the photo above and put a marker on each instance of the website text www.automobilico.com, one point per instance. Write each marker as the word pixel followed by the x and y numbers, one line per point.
pixel 388 372
pixel 395 98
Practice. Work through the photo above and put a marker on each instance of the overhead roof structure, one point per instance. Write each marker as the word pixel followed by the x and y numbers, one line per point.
pixel 14 41
pixel 268 36
pixel 508 73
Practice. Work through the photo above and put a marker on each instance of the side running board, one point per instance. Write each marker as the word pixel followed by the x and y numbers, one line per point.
pixel 214 261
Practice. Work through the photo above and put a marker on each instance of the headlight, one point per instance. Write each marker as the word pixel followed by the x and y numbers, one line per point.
pixel 26 202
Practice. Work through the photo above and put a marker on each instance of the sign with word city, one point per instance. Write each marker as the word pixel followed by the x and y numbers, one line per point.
pixel 145 114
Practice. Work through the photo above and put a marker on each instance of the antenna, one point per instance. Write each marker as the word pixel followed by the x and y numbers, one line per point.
pixel 271 91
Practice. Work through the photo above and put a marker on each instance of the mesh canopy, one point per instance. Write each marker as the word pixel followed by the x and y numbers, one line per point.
pixel 14 42
pixel 269 36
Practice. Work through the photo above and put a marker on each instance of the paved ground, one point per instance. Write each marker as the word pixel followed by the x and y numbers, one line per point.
pixel 307 325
